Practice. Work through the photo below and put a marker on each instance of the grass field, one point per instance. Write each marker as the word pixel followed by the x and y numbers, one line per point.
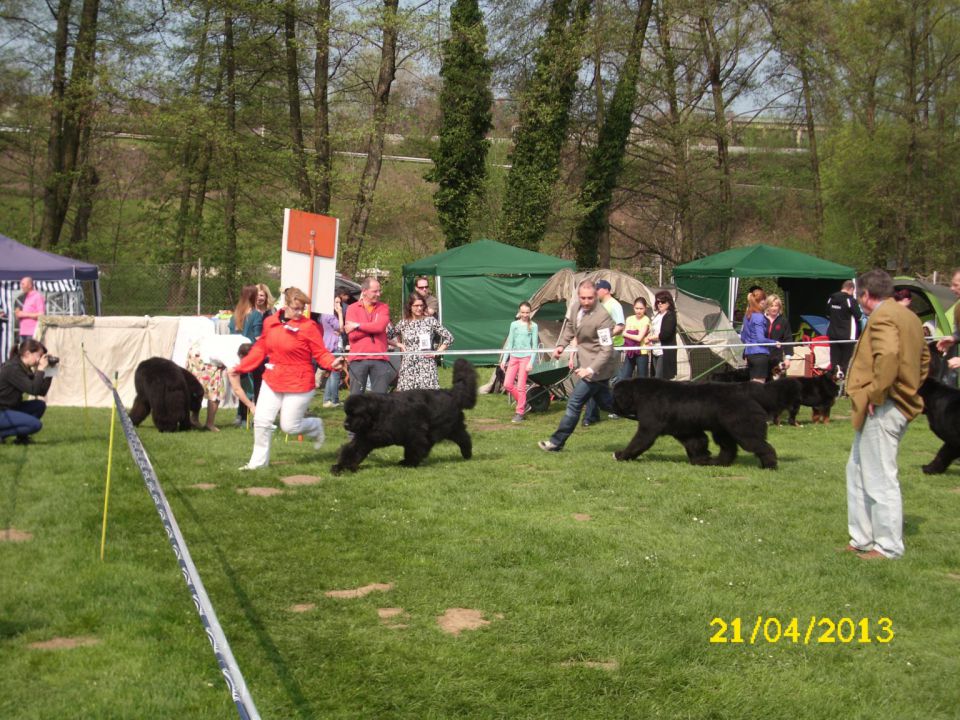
pixel 599 580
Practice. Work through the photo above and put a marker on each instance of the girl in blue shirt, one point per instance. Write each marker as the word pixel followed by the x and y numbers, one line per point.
pixel 754 330
pixel 518 354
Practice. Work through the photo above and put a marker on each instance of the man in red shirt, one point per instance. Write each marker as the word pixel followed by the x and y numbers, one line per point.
pixel 366 327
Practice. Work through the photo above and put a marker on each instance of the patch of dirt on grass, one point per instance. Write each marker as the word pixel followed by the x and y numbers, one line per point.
pixel 582 517
pixel 608 665
pixel 455 620
pixel 64 643
pixel 955 490
pixel 261 491
pixel 302 607
pixel 359 592
pixel 484 421
pixel 11 534
pixel 202 486
pixel 495 426
pixel 295 480
pixel 954 576
pixel 388 617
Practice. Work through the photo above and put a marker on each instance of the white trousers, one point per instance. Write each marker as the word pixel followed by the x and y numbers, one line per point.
pixel 291 407
pixel 874 505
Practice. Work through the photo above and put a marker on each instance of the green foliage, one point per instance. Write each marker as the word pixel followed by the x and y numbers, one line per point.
pixel 465 99
pixel 542 131
pixel 667 548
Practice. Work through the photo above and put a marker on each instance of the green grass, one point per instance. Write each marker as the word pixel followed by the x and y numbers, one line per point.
pixel 668 548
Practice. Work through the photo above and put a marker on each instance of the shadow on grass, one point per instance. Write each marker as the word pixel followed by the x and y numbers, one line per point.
pixel 912 523
pixel 266 642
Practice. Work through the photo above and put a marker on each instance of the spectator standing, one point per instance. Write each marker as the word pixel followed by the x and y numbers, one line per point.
pixel 523 338
pixel 663 331
pixel 592 362
pixel 292 344
pixel 332 324
pixel 946 344
pixel 422 286
pixel 366 326
pixel 23 375
pixel 844 315
pixel 635 332
pixel 31 306
pixel 889 363
pixel 207 360
pixel 247 320
pixel 778 330
pixel 754 335
pixel 415 333
pixel 265 300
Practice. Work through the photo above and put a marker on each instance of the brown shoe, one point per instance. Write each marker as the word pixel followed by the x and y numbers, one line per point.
pixel 848 548
pixel 872 555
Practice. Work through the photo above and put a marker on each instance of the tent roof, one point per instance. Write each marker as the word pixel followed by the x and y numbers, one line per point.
pixel 763 261
pixel 487 257
pixel 20 260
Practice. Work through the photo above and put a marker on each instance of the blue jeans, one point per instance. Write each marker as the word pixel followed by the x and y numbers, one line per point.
pixel 331 392
pixel 23 419
pixel 638 364
pixel 583 391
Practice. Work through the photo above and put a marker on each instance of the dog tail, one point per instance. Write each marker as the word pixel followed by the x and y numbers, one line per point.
pixel 464 384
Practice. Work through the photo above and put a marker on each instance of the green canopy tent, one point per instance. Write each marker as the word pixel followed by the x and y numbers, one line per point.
pixel 807 281
pixel 479 286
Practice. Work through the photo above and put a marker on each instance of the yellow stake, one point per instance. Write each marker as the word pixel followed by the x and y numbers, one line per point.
pixel 106 497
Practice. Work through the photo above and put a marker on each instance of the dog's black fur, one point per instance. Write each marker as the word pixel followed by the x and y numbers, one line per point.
pixel 777 397
pixel 170 392
pixel 941 405
pixel 415 419
pixel 687 411
pixel 820 393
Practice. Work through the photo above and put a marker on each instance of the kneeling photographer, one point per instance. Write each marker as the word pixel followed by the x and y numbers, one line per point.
pixel 24 374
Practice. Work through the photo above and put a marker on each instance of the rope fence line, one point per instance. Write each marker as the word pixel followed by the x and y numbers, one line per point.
pixel 208 616
pixel 618 348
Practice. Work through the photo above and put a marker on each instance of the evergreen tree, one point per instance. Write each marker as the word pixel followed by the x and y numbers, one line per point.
pixel 544 119
pixel 465 99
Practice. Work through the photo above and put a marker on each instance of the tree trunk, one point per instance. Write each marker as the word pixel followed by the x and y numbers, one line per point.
pixel 683 222
pixel 323 161
pixel 293 102
pixel 814 156
pixel 53 190
pixel 374 144
pixel 711 52
pixel 232 175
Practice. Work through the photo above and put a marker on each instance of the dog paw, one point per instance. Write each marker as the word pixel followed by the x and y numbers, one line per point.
pixel 931 469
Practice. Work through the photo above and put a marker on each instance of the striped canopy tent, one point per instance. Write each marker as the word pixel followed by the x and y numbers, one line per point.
pixel 59 278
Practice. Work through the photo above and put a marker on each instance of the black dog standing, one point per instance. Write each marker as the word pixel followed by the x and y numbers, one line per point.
pixel 415 419
pixel 170 392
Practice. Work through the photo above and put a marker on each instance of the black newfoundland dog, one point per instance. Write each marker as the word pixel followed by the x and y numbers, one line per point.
pixel 170 392
pixel 415 419
pixel 687 411
pixel 941 405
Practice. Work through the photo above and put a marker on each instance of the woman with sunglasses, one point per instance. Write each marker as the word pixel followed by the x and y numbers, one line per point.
pixel 664 332
pixel 416 333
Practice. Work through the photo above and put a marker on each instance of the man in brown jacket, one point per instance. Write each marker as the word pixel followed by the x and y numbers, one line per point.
pixel 593 361
pixel 889 363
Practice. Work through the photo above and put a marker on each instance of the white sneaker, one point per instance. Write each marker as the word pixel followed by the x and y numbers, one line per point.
pixel 245 468
pixel 328 403
pixel 548 446
pixel 518 418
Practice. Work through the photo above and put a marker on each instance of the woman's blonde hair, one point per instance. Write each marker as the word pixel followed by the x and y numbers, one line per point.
pixel 774 300
pixel 261 288
pixel 293 294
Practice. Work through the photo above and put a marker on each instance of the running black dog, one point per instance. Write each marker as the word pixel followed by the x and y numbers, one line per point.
pixel 941 405
pixel 687 411
pixel 415 419
pixel 170 392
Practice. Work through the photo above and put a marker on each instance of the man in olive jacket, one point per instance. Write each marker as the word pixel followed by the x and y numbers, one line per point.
pixel 592 362
pixel 889 363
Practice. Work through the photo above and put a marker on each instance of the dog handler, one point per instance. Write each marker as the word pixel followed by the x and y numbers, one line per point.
pixel 288 381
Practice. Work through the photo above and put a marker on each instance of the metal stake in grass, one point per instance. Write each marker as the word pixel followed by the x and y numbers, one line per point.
pixel 106 495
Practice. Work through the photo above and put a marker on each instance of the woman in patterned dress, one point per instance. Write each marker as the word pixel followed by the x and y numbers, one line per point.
pixel 415 333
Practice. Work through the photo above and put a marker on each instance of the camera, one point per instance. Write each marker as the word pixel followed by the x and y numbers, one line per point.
pixel 52 360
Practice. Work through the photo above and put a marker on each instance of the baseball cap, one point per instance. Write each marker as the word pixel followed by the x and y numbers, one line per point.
pixel 602 285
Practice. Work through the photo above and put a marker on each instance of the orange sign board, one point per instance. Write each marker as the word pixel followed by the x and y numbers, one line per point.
pixel 302 226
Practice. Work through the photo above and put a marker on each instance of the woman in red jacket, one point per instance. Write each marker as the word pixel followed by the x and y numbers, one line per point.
pixel 289 346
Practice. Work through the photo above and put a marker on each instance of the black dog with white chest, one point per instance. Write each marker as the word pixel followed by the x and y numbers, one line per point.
pixel 415 419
